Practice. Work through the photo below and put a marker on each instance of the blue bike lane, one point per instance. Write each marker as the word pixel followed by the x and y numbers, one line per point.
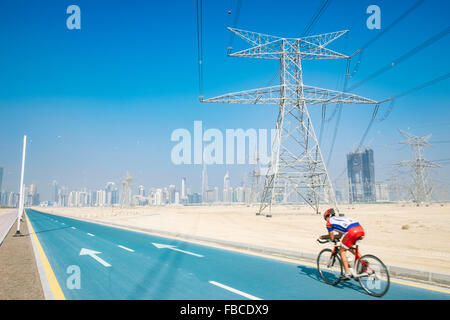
pixel 116 263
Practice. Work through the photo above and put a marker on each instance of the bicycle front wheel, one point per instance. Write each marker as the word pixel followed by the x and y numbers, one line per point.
pixel 329 267
pixel 373 275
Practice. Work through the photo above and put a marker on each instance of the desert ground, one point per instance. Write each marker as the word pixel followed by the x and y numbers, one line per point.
pixel 400 234
pixel 6 210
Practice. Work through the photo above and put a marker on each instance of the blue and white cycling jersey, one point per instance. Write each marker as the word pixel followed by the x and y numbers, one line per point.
pixel 341 224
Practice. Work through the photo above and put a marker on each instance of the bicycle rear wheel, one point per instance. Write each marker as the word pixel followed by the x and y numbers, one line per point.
pixel 329 267
pixel 375 275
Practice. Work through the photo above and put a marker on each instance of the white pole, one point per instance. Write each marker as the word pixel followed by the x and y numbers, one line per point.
pixel 22 196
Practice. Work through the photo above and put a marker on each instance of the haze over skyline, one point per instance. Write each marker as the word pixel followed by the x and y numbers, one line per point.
pixel 103 100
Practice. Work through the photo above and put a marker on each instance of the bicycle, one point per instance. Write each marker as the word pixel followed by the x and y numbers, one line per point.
pixel 371 273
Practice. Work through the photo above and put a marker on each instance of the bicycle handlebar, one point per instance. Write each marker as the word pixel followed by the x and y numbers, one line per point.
pixel 326 241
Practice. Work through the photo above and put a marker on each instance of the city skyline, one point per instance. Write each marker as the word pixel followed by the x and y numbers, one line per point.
pixel 110 195
pixel 361 185
pixel 197 183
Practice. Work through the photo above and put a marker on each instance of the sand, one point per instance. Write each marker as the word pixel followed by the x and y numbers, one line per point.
pixel 19 277
pixel 400 234
pixel 6 210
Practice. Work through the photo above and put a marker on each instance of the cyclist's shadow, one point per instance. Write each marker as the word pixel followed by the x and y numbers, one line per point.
pixel 313 274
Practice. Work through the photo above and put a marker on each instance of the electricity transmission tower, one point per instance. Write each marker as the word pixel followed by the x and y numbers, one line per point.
pixel 296 158
pixel 126 190
pixel 421 188
pixel 396 188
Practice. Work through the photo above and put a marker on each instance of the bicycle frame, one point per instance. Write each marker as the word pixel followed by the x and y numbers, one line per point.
pixel 363 266
pixel 336 251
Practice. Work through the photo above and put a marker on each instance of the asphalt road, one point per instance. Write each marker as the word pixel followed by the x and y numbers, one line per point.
pixel 94 261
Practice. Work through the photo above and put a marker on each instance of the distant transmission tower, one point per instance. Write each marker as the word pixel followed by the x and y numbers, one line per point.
pixel 126 191
pixel 256 181
pixel 296 157
pixel 421 188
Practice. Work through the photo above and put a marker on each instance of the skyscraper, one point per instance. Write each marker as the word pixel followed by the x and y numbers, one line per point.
pixel 227 190
pixel 171 193
pixel 361 176
pixel 1 178
pixel 55 193
pixel 204 182
pixel 183 188
pixel 112 194
pixel 158 197
pixel 31 195
pixel 141 191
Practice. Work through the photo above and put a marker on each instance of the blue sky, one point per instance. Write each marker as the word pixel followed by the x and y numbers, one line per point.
pixel 102 100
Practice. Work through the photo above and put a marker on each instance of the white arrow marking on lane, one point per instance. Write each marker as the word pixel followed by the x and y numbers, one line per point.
pixel 73 228
pixel 125 248
pixel 93 254
pixel 249 296
pixel 90 234
pixel 167 246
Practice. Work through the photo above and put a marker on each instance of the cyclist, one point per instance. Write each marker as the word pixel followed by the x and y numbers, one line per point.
pixel 349 230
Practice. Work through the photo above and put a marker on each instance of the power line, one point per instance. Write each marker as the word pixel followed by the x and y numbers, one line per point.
pixel 333 141
pixel 382 70
pixel 316 17
pixel 296 148
pixel 235 21
pixel 404 57
pixel 442 124
pixel 200 46
pixel 424 85
pixel 388 111
pixel 338 120
pixel 400 95
pixel 374 115
pixel 429 83
pixel 359 52
pixel 357 65
pixel 389 27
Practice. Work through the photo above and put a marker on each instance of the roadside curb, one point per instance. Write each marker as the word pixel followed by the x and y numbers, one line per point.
pixel 48 294
pixel 434 278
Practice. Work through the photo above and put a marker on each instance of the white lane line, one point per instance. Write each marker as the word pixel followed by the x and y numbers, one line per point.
pixel 167 246
pixel 249 296
pixel 90 234
pixel 125 248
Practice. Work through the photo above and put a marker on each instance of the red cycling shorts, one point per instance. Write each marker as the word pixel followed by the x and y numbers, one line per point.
pixel 351 236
